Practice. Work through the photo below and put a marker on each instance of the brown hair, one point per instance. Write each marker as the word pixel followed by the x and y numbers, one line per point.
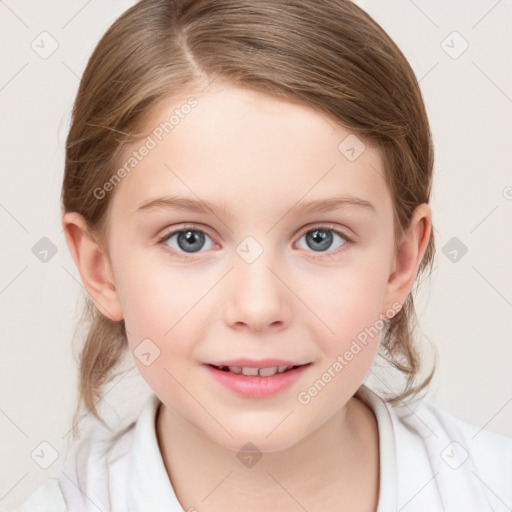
pixel 328 54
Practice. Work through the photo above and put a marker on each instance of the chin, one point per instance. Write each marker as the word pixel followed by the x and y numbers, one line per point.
pixel 257 440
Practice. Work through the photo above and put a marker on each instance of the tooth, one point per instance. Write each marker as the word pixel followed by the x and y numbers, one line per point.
pixel 268 372
pixel 283 368
pixel 235 369
pixel 249 371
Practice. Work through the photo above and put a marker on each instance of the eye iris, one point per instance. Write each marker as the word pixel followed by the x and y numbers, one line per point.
pixel 190 241
pixel 321 237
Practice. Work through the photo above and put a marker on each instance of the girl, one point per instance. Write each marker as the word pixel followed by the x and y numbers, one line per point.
pixel 246 199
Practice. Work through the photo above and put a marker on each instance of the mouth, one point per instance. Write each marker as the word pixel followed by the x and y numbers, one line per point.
pixel 257 382
pixel 256 372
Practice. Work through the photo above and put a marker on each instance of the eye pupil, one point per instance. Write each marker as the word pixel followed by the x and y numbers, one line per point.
pixel 322 237
pixel 190 241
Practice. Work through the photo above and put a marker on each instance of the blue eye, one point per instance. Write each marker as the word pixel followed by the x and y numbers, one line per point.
pixel 191 240
pixel 321 238
pixel 187 240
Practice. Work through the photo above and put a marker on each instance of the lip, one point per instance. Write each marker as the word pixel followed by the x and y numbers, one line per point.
pixel 255 386
pixel 263 363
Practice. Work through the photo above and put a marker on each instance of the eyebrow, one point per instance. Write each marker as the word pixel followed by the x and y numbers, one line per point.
pixel 203 206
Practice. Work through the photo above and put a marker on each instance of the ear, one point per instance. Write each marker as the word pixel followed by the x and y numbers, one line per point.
pixel 408 256
pixel 93 264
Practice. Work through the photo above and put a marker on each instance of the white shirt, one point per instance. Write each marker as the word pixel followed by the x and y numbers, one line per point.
pixel 429 461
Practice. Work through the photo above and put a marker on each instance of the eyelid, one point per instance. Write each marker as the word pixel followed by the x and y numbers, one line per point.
pixel 185 227
pixel 328 227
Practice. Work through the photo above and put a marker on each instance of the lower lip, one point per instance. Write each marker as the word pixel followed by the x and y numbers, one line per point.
pixel 254 386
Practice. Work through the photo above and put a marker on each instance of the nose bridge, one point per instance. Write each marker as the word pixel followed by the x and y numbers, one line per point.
pixel 257 297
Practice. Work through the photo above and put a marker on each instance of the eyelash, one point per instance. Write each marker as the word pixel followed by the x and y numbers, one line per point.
pixel 322 227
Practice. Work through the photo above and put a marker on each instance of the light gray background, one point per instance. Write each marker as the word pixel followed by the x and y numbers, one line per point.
pixel 464 310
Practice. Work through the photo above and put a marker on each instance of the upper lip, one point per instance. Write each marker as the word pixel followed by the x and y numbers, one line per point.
pixel 252 363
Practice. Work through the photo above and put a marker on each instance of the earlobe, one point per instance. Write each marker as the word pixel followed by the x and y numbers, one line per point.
pixel 93 265
pixel 409 255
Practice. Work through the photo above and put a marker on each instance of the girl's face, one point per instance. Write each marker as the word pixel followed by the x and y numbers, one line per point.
pixel 250 178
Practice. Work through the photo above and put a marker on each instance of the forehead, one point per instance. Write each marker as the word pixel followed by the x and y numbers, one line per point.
pixel 247 150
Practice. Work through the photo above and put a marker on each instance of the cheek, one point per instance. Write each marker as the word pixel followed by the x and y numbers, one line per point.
pixel 347 332
pixel 348 304
pixel 161 311
pixel 347 301
pixel 167 312
pixel 157 300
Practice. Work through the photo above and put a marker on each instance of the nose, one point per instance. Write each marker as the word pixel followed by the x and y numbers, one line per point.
pixel 257 299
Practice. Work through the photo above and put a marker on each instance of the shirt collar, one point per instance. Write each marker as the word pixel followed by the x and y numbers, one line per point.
pixel 388 486
pixel 150 488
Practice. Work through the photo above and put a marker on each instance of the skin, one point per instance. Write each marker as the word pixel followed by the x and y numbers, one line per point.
pixel 258 156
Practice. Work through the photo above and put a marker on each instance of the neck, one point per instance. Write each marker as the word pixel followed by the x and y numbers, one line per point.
pixel 336 465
